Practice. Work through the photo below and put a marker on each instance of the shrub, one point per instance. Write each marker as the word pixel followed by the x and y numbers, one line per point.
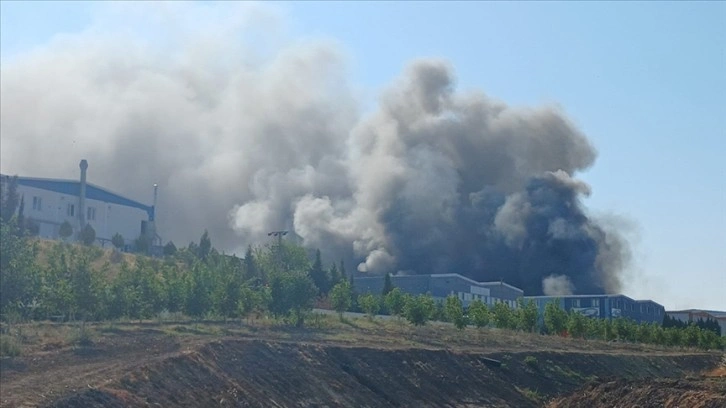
pixel 370 304
pixel 9 346
pixel 531 361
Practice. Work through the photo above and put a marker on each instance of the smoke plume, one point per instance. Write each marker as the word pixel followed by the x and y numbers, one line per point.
pixel 244 139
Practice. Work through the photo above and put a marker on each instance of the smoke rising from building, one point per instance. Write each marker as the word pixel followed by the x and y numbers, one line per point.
pixel 244 140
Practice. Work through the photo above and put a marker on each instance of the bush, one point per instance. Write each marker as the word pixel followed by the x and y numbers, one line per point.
pixel 88 235
pixel 9 346
pixel 531 361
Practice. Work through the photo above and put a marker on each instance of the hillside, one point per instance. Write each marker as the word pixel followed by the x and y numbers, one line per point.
pixel 351 363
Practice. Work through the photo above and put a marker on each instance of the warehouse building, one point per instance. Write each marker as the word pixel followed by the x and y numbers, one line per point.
pixel 440 286
pixel 693 315
pixel 606 306
pixel 48 203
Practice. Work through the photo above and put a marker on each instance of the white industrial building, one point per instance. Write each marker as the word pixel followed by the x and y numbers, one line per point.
pixel 692 315
pixel 50 202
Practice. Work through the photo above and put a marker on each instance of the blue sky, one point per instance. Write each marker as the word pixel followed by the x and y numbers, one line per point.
pixel 646 82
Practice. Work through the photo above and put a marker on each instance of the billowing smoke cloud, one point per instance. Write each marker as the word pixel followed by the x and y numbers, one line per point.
pixel 244 140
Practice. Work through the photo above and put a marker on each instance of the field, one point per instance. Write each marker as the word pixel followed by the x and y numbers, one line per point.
pixel 353 362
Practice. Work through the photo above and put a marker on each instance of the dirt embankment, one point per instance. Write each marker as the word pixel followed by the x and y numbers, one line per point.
pixel 263 373
pixel 703 391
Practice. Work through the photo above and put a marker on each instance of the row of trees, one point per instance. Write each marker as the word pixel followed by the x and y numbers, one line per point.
pixel 280 280
pixel 526 317
pixel 71 281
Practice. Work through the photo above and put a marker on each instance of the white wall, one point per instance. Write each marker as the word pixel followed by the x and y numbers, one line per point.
pixel 110 218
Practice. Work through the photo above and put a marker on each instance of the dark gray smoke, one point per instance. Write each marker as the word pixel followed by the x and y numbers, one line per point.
pixel 244 141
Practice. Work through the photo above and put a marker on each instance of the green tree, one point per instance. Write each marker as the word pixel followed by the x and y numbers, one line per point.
pixel 333 275
pixel 199 300
pixel 555 318
pixel 419 309
pixel 341 297
pixel 527 315
pixel 9 199
pixel 251 270
pixel 88 235
pixel 318 275
pixel 370 304
pixel 118 241
pixel 454 312
pixel 66 230
pixel 302 292
pixel 503 316
pixel 479 313
pixel 252 301
pixel 291 293
pixel 576 324
pixel 343 274
pixel 387 284
pixel 19 275
pixel 205 246
pixel 169 249
pixel 394 302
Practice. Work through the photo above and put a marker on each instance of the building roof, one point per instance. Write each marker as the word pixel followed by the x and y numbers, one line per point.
pixel 73 188
pixel 715 313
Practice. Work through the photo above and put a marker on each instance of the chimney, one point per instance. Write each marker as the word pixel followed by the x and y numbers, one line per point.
pixel 153 206
pixel 82 196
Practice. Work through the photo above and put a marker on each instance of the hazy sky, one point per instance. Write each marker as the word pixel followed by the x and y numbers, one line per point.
pixel 646 82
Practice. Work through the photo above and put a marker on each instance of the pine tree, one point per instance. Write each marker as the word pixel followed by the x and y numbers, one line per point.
pixel 318 275
pixel 205 246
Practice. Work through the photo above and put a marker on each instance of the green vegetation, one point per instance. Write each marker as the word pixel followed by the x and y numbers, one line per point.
pixel 454 312
pixel 370 304
pixel 66 282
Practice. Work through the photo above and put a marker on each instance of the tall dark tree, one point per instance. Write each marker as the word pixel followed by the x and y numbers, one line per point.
pixel 333 275
pixel 343 275
pixel 169 249
pixel 66 230
pixel 205 246
pixel 9 198
pixel 117 241
pixel 318 275
pixel 21 216
pixel 88 235
pixel 251 271
pixel 387 284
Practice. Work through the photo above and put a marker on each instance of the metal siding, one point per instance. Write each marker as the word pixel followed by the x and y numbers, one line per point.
pixel 73 188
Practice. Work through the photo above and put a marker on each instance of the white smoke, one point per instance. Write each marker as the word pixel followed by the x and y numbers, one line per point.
pixel 557 285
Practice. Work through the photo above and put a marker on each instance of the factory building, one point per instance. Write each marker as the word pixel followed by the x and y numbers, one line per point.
pixel 48 203
pixel 606 306
pixel 693 315
pixel 440 286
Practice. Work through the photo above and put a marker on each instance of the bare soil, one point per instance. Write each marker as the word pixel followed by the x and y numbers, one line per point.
pixel 356 363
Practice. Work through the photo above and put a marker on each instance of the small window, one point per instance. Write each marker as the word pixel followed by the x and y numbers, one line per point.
pixel 575 302
pixel 71 210
pixel 91 214
pixel 37 203
pixel 596 303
